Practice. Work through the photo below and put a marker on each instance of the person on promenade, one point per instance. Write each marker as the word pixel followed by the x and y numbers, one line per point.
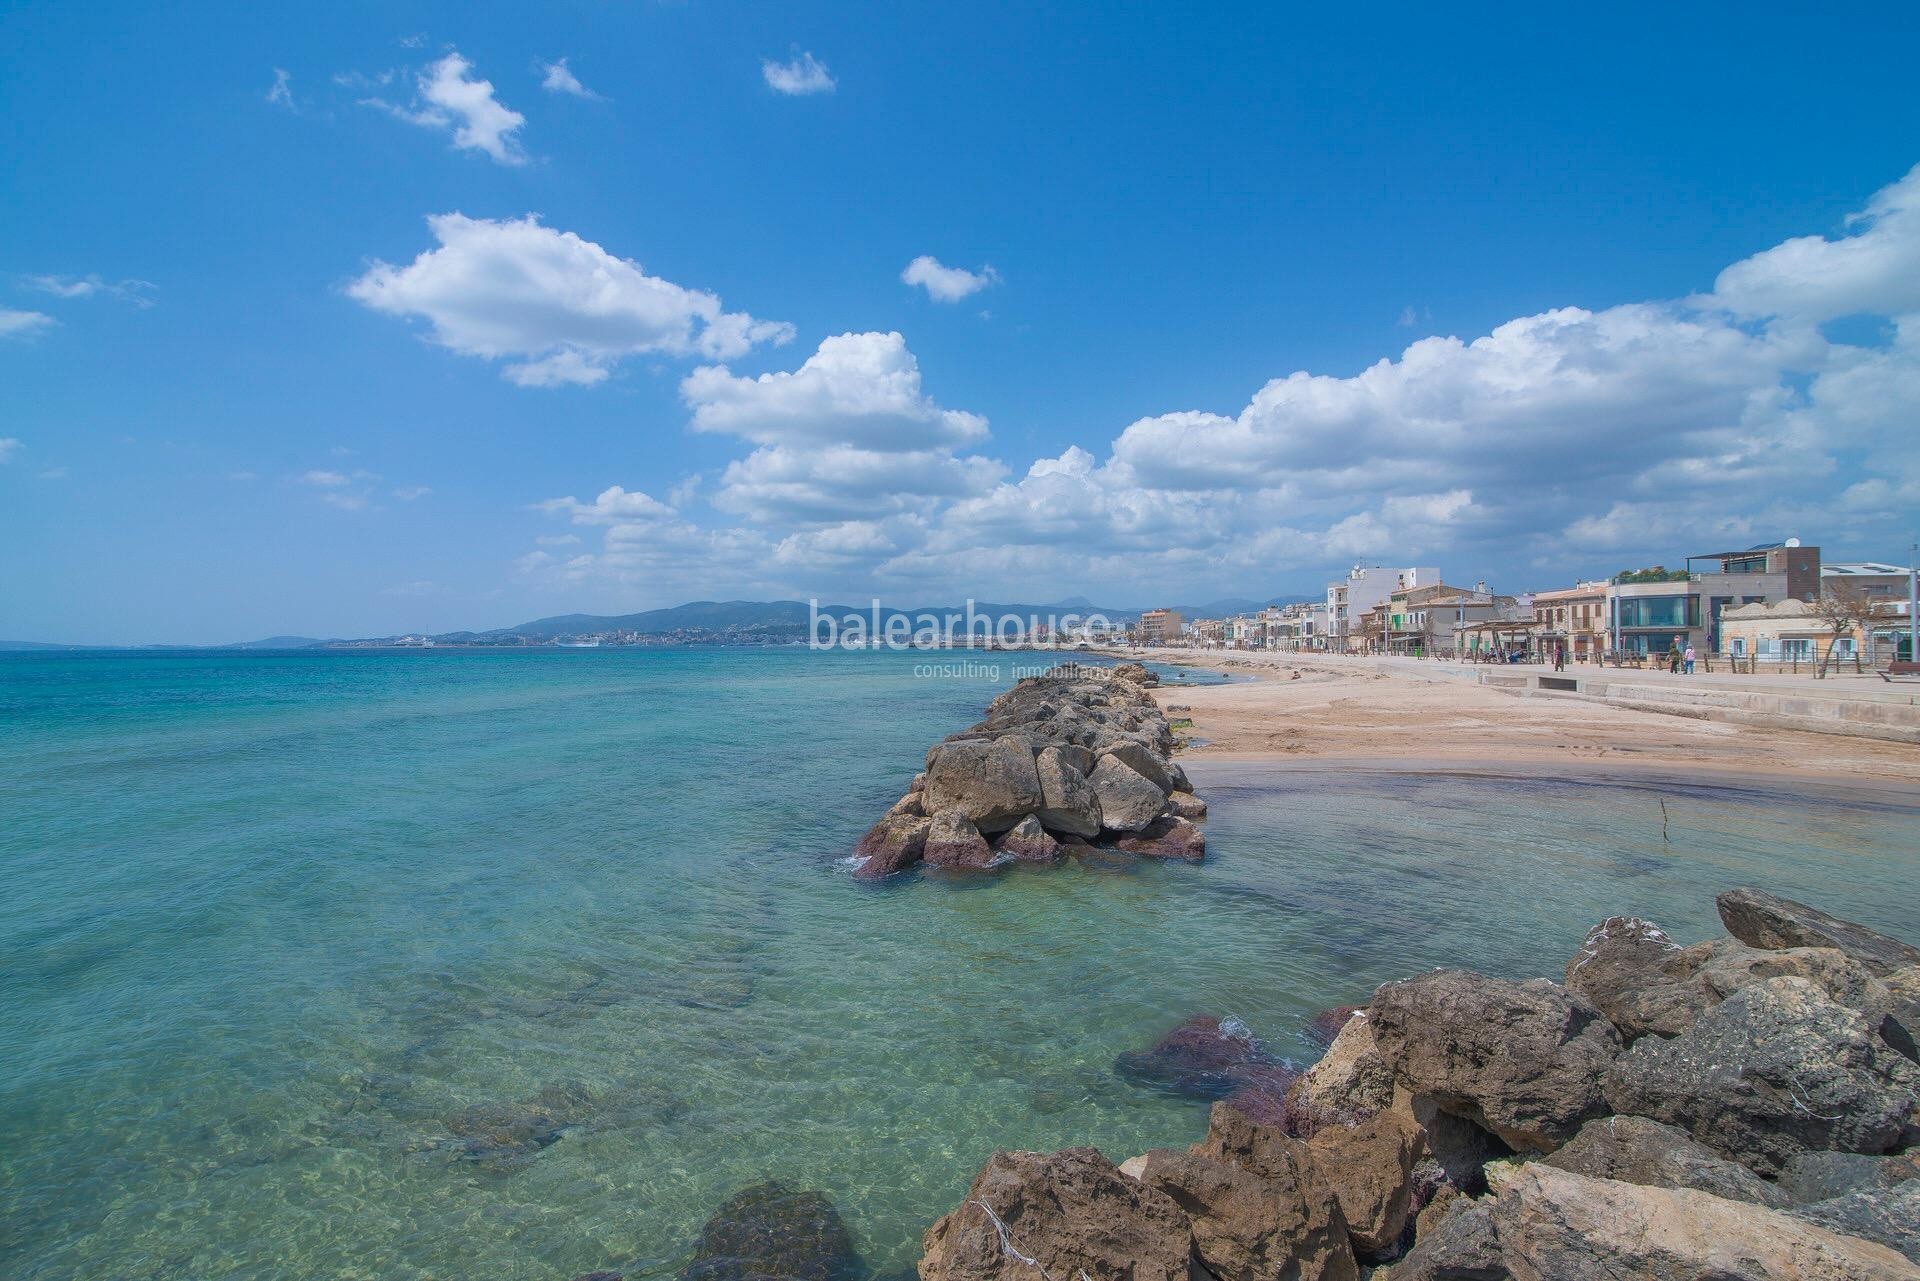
pixel 1673 656
pixel 1559 658
pixel 1687 660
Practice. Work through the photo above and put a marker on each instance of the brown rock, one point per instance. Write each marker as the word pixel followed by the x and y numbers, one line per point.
pixel 1028 842
pixel 1370 1169
pixel 895 842
pixel 1550 1225
pixel 1633 1149
pixel 1350 1083
pixel 993 783
pixel 1173 838
pixel 954 842
pixel 1774 1070
pixel 1188 806
pixel 1249 1227
pixel 1525 1060
pixel 1030 1215
pixel 1627 969
pixel 1760 919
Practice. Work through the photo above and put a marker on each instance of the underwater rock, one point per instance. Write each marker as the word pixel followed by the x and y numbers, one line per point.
pixel 1202 1058
pixel 769 1232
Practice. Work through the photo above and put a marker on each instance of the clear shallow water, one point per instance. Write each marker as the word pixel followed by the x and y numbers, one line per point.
pixel 518 964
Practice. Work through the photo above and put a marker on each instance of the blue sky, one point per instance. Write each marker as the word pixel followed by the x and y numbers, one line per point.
pixel 353 319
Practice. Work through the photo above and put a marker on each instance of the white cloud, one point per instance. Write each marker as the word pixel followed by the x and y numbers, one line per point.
pixel 54 473
pixel 802 74
pixel 448 97
pixel 281 93
pixel 557 540
pixel 1813 279
pixel 560 79
pixel 856 389
pixel 137 292
pixel 1569 442
pixel 612 506
pixel 408 493
pixel 326 479
pixel 564 307
pixel 23 324
pixel 9 446
pixel 947 284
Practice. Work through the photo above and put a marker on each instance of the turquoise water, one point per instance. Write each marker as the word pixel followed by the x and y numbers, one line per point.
pixel 518 964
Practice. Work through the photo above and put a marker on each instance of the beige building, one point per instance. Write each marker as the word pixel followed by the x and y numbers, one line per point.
pixel 1573 618
pixel 1158 627
pixel 1783 633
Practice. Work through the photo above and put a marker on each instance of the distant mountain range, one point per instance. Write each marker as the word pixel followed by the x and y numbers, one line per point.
pixel 735 617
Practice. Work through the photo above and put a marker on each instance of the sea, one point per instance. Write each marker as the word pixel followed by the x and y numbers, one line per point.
pixel 518 964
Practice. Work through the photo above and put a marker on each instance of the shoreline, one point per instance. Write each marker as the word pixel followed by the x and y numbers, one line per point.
pixel 1358 712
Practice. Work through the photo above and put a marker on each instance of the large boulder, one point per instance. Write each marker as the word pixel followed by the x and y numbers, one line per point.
pixel 1186 805
pixel 1552 1225
pixel 1760 919
pixel 1627 969
pixel 1525 1060
pixel 954 842
pixel 1068 802
pixel 770 1232
pixel 1173 838
pixel 1350 1083
pixel 1890 1216
pixel 1128 800
pixel 1144 762
pixel 895 842
pixel 1370 1169
pixel 1775 1070
pixel 1648 985
pixel 1028 842
pixel 1253 1227
pixel 1633 1149
pixel 993 783
pixel 1068 1215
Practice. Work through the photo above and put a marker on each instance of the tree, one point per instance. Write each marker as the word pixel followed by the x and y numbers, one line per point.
pixel 1844 608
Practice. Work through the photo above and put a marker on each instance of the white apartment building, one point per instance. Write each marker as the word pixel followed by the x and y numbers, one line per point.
pixel 1364 587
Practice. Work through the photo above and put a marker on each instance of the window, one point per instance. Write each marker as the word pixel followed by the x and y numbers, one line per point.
pixel 1659 611
pixel 1796 649
pixel 1739 646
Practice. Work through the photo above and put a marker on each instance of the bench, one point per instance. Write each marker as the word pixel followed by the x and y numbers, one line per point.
pixel 1901 671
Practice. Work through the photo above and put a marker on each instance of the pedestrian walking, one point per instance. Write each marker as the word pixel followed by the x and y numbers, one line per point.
pixel 1688 658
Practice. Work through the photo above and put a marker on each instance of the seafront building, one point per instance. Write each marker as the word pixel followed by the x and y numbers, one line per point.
pixel 1652 611
pixel 1158 627
pixel 1364 588
pixel 1572 620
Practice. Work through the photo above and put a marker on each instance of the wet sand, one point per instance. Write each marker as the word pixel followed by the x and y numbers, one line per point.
pixel 1361 710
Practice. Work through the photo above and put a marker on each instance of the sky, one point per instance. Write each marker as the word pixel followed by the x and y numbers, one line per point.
pixel 355 319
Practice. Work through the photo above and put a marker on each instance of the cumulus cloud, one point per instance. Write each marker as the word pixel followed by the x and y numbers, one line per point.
pixel 448 97
pixel 23 324
pixel 802 74
pixel 560 79
pixel 612 506
pixel 9 446
pixel 1569 442
pixel 946 284
pixel 1875 271
pixel 562 308
pixel 856 389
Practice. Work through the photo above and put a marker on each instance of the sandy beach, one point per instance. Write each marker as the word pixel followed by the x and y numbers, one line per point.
pixel 1365 709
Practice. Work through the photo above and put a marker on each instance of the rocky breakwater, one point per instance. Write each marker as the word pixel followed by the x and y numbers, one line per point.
pixel 1747 1107
pixel 1075 759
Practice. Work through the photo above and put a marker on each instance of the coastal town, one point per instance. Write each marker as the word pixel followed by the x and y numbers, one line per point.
pixel 1775 606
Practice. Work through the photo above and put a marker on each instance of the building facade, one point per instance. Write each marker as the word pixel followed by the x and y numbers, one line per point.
pixel 1365 587
pixel 1158 627
pixel 1652 611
